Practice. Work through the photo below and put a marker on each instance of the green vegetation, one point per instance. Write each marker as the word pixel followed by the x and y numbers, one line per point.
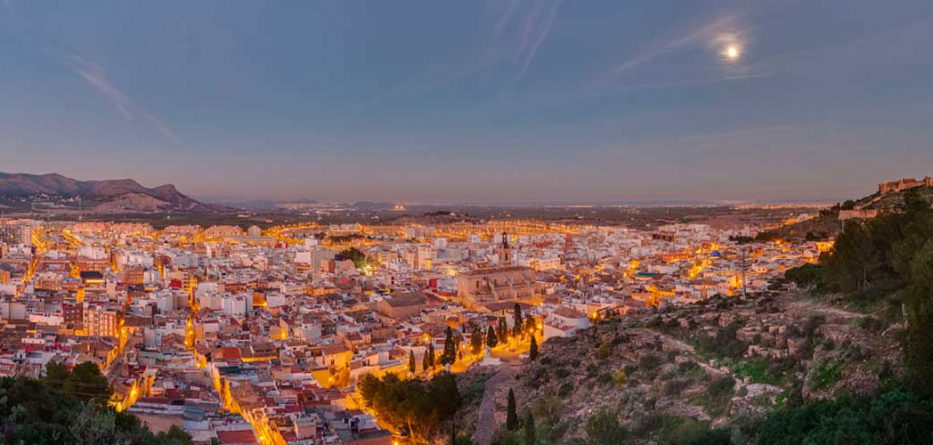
pixel 603 427
pixel 511 414
pixel 491 339
pixel 896 417
pixel 70 408
pixel 449 356
pixel 888 262
pixel 517 320
pixel 360 260
pixel 412 405
pixel 824 374
pixel 476 340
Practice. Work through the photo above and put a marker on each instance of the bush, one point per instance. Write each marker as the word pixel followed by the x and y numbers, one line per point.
pixel 619 378
pixel 721 388
pixel 603 351
pixel 823 375
pixel 650 362
pixel 674 387
pixel 895 417
pixel 603 428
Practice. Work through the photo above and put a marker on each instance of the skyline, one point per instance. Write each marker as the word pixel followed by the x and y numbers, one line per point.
pixel 518 101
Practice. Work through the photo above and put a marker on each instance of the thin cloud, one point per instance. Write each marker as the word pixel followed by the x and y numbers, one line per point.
pixel 537 28
pixel 705 35
pixel 95 76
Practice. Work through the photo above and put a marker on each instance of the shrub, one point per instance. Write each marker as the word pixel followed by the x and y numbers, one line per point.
pixel 619 378
pixel 824 374
pixel 650 362
pixel 674 387
pixel 603 351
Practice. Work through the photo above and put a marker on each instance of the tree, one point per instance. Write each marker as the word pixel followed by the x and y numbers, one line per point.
pixel 359 258
pixel 530 325
pixel 45 411
pixel 476 340
pixel 531 437
pixel 918 341
pixel 533 350
pixel 427 360
pixel 511 414
pixel 431 354
pixel 503 331
pixel 412 367
pixel 604 428
pixel 87 384
pixel 517 320
pixel 491 339
pixel 415 406
pixel 449 356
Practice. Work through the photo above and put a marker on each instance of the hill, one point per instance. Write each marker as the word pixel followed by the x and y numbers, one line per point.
pixel 27 191
pixel 848 359
pixel 828 224
pixel 679 374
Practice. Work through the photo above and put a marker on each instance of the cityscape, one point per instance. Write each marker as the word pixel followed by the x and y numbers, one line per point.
pixel 495 222
pixel 265 333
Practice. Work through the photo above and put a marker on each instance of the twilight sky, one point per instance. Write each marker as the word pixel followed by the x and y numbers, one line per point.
pixel 481 101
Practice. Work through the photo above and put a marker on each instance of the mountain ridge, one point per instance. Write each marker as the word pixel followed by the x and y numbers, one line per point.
pixel 107 195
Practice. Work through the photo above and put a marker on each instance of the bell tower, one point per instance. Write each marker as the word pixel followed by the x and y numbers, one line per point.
pixel 505 251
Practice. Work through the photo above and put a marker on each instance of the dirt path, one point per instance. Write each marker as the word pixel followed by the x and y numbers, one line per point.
pixel 496 388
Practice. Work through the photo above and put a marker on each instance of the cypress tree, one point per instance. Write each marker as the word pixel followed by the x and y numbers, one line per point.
pixel 530 435
pixel 503 331
pixel 450 352
pixel 491 339
pixel 411 362
pixel 476 340
pixel 517 318
pixel 431 354
pixel 533 351
pixel 511 419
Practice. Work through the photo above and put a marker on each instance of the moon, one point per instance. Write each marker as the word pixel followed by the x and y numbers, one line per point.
pixel 732 52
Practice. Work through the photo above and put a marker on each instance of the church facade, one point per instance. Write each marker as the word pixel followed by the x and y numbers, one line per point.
pixel 503 282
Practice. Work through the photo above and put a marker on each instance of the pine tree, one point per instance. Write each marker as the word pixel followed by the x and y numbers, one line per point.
pixel 530 435
pixel 511 419
pixel 517 318
pixel 411 362
pixel 533 351
pixel 491 339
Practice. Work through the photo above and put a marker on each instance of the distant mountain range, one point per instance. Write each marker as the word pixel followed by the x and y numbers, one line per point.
pixel 20 190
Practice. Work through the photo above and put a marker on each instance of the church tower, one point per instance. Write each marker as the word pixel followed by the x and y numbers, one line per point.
pixel 505 251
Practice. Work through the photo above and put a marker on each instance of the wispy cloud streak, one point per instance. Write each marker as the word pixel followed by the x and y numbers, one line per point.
pixel 705 35
pixel 537 28
pixel 95 76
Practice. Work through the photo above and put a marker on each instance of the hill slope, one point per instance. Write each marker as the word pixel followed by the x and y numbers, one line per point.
pixel 20 190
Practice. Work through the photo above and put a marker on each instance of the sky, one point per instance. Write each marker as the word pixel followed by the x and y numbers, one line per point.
pixel 472 101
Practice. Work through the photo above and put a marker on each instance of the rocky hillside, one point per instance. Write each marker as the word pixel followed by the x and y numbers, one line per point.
pixel 827 224
pixel 18 190
pixel 674 375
